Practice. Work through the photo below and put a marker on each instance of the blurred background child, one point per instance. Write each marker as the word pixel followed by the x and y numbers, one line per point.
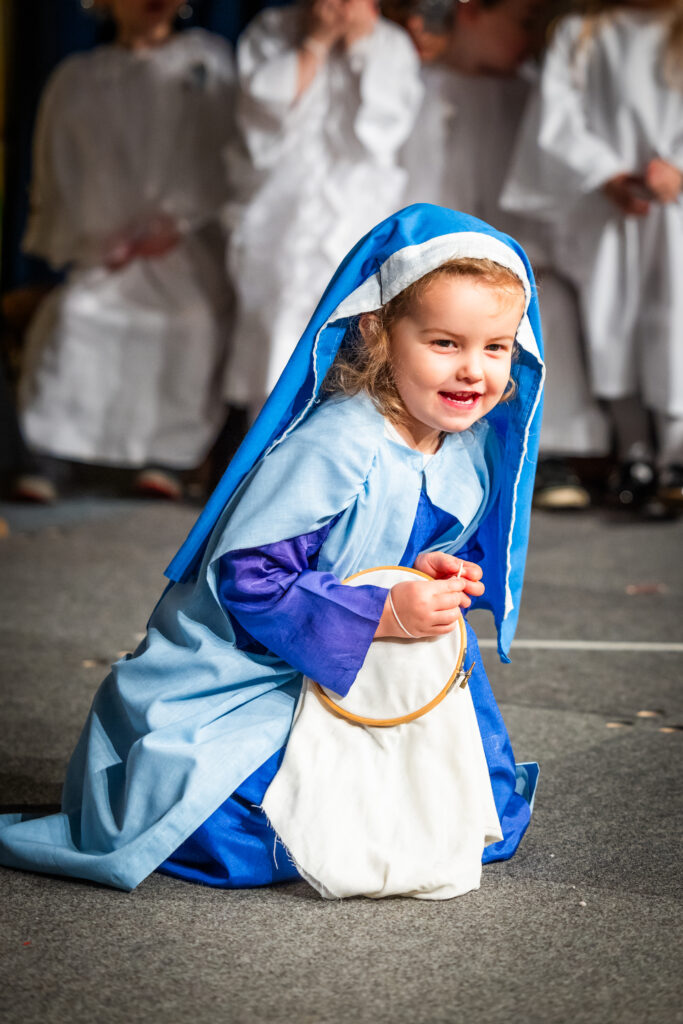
pixel 601 153
pixel 478 78
pixel 122 361
pixel 329 91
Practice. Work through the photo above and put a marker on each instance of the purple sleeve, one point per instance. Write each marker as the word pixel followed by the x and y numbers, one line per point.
pixel 308 618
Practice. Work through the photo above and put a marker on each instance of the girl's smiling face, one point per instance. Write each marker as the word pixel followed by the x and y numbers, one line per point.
pixel 451 355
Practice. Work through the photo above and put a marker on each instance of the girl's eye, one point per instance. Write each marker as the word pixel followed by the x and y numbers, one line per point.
pixel 443 343
pixel 495 346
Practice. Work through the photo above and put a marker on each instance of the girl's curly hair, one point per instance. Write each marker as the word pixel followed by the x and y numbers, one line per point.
pixel 363 363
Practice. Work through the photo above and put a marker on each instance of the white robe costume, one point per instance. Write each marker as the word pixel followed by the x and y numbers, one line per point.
pixel 603 108
pixel 123 366
pixel 310 177
pixel 468 125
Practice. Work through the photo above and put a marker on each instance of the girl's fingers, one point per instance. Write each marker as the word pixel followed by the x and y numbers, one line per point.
pixel 441 560
pixel 448 609
pixel 449 586
pixel 444 567
pixel 454 565
pixel 448 595
pixel 470 570
pixel 451 565
pixel 445 621
pixel 452 606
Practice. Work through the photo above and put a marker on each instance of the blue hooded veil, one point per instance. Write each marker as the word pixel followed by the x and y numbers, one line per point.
pixel 176 727
pixel 397 252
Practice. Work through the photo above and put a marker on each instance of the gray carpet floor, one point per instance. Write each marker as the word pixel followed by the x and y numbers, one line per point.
pixel 582 926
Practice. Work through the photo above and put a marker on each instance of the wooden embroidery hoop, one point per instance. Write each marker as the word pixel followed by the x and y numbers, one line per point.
pixel 457 677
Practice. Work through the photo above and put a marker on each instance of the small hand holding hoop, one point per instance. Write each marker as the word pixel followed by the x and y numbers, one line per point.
pixel 398 682
pixel 426 609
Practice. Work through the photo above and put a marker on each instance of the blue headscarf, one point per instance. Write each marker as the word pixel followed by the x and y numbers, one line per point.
pixel 397 252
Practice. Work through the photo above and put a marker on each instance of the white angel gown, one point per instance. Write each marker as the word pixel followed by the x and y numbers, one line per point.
pixel 123 366
pixel 466 171
pixel 604 108
pixel 310 177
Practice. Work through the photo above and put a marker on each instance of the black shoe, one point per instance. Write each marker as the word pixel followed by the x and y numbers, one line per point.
pixel 558 487
pixel 670 489
pixel 634 484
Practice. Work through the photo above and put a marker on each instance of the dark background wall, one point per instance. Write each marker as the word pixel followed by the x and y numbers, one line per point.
pixel 40 34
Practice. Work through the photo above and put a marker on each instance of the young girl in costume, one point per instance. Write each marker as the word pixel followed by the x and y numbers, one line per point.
pixel 328 92
pixel 601 153
pixel 403 432
pixel 123 361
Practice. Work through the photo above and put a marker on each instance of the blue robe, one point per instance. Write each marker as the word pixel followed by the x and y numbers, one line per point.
pixel 275 595
pixel 185 721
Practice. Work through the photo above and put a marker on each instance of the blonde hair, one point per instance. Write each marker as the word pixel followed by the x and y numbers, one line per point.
pixel 597 13
pixel 363 363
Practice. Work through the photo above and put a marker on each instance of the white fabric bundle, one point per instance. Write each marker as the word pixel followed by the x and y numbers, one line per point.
pixel 402 810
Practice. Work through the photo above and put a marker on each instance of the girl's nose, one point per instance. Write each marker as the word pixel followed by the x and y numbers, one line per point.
pixel 470 369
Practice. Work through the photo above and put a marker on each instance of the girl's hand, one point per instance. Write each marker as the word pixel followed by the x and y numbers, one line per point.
pixel 663 180
pixel 441 566
pixel 424 608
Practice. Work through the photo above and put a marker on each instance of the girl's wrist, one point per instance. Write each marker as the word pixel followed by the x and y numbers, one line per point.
pixel 390 623
pixel 387 625
pixel 403 631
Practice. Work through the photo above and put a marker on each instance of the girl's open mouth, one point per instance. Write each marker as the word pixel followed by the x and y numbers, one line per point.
pixel 460 399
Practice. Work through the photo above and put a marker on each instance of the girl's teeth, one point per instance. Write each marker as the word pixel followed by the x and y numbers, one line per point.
pixel 461 396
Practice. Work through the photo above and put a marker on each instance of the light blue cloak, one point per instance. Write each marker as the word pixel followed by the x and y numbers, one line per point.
pixel 177 726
